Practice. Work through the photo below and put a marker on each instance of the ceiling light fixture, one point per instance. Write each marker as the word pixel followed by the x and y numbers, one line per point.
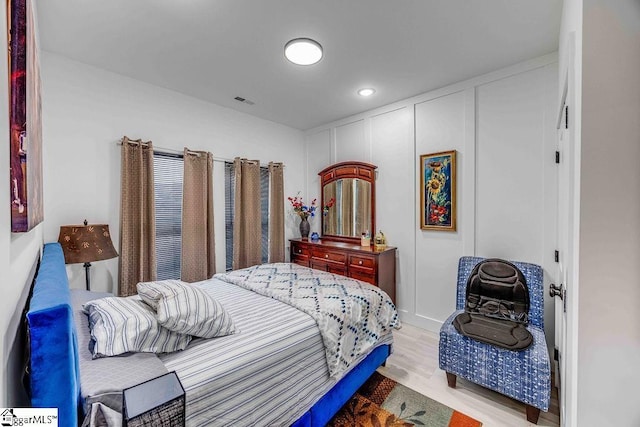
pixel 303 51
pixel 366 91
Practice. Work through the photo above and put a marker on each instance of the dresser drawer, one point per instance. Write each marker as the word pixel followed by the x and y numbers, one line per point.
pixel 337 268
pixel 339 257
pixel 300 254
pixel 362 261
pixel 318 265
pixel 332 261
pixel 301 260
pixel 330 266
pixel 300 250
pixel 366 275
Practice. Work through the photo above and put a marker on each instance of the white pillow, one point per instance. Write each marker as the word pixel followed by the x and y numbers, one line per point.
pixel 186 309
pixel 122 325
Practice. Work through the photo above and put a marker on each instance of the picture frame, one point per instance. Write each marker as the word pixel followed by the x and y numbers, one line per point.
pixel 437 183
pixel 25 141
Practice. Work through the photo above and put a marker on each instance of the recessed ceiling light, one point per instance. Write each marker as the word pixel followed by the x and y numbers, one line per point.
pixel 366 91
pixel 303 51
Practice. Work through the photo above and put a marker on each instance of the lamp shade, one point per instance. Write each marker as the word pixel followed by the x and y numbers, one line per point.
pixel 86 243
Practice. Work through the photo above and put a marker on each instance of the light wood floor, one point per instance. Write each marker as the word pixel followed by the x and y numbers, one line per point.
pixel 414 363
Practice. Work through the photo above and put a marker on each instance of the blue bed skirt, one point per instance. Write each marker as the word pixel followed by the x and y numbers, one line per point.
pixel 330 403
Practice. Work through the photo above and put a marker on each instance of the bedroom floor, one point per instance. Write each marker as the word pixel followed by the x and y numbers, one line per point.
pixel 414 364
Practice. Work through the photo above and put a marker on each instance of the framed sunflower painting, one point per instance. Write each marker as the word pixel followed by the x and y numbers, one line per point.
pixel 438 191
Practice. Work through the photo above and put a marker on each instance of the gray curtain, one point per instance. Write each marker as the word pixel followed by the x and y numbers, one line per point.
pixel 137 216
pixel 276 212
pixel 247 227
pixel 198 240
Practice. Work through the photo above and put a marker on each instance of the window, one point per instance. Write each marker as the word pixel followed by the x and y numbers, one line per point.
pixel 168 174
pixel 229 185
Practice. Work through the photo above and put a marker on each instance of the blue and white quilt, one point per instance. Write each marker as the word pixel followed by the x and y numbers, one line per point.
pixel 352 315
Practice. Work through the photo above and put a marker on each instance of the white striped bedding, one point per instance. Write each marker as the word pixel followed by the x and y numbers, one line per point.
pixel 186 309
pixel 270 372
pixel 122 325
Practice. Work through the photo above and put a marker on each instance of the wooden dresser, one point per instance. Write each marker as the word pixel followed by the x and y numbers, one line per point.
pixel 377 267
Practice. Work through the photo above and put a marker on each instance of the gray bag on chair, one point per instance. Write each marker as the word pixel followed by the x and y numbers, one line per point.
pixel 497 306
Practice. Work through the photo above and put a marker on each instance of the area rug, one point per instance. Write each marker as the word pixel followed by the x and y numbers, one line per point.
pixel 383 402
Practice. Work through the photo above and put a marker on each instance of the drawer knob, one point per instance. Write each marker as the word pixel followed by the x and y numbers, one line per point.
pixel 326 255
pixel 299 251
pixel 360 262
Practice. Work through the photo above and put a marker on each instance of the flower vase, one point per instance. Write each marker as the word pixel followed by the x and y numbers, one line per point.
pixel 305 227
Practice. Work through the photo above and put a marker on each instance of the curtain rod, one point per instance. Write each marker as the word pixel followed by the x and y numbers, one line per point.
pixel 180 152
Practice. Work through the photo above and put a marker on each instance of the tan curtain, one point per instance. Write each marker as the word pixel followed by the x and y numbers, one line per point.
pixel 331 220
pixel 276 212
pixel 363 209
pixel 198 261
pixel 247 227
pixel 137 216
pixel 346 213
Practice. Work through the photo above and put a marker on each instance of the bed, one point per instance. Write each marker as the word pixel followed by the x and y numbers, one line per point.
pixel 274 364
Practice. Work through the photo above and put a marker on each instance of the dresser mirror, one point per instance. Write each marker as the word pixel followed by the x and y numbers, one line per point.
pixel 352 187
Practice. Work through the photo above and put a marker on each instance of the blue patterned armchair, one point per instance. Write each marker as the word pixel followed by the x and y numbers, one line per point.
pixel 522 375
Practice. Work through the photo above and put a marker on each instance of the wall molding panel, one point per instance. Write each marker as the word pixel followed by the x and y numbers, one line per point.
pixel 468 117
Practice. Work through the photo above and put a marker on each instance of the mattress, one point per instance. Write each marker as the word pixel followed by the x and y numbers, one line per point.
pixel 270 372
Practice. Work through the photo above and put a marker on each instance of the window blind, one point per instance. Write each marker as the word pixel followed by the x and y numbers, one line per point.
pixel 168 176
pixel 229 200
pixel 264 212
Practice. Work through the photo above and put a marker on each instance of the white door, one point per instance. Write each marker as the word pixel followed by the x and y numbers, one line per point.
pixel 565 158
pixel 562 281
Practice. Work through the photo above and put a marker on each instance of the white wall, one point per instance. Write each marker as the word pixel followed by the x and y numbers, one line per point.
pixel 609 248
pixel 441 126
pixel 19 253
pixel 503 128
pixel 350 143
pixel 86 110
pixel 392 151
pixel 318 156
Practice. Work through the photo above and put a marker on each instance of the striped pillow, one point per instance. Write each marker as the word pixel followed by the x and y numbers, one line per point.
pixel 187 309
pixel 123 325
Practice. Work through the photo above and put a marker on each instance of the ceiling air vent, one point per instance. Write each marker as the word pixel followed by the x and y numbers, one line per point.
pixel 246 101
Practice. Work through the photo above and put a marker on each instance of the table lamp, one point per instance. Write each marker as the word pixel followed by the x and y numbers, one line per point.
pixel 86 243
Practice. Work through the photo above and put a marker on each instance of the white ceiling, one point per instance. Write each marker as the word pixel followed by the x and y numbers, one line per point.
pixel 216 50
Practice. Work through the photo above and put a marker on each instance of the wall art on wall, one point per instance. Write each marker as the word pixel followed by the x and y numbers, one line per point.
pixel 24 117
pixel 438 191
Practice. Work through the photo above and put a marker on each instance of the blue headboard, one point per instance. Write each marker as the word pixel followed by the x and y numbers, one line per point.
pixel 53 347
